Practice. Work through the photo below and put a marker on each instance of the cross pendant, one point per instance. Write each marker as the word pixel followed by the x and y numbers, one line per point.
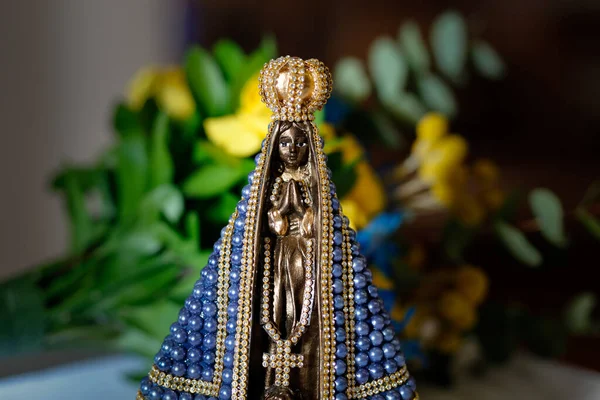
pixel 282 360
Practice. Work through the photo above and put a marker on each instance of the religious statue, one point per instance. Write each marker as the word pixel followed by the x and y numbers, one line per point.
pixel 285 308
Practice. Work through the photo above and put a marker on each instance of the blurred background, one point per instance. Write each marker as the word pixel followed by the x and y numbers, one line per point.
pixel 523 100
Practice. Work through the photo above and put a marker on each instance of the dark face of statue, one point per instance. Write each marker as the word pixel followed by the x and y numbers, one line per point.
pixel 293 147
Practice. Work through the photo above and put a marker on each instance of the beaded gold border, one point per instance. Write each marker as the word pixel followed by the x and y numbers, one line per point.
pixel 347 279
pixel 194 386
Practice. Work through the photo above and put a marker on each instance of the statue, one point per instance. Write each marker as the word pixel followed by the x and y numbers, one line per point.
pixel 285 308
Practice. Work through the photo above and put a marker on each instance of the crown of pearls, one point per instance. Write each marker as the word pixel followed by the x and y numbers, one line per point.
pixel 293 88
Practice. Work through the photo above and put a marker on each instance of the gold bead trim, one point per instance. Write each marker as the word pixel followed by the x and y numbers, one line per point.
pixel 182 384
pixel 347 279
pixel 381 385
pixel 296 104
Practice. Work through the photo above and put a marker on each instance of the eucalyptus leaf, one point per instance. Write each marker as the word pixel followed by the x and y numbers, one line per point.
pixel 81 222
pixel 22 317
pixel 161 163
pixel 212 180
pixel 166 199
pixel 405 107
pixel 387 131
pixel 351 79
pixel 591 223
pixel 449 44
pixel 578 313
pixel 518 245
pixel 387 67
pixel 413 47
pixel 487 61
pixel 437 95
pixel 230 57
pixel 548 212
pixel 207 83
pixel 131 173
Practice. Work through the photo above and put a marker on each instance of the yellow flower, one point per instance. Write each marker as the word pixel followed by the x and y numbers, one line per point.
pixel 446 154
pixel 430 129
pixel 453 306
pixel 352 210
pixel 241 134
pixel 472 283
pixel 381 281
pixel 167 86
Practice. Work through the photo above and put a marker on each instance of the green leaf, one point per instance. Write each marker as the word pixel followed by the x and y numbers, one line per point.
pixel 405 107
pixel 161 163
pixel 192 227
pixel 22 318
pixel 342 174
pixel 486 61
pixel 449 44
pixel 413 47
pixel 589 222
pixel 125 121
pixel 131 173
pixel 81 222
pixel 548 212
pixel 387 67
pixel 351 79
pixel 137 341
pixel 222 209
pixel 184 287
pixel 266 51
pixel 387 131
pixel 518 245
pixel 166 199
pixel 230 57
pixel 578 313
pixel 154 319
pixel 207 82
pixel 437 95
pixel 211 180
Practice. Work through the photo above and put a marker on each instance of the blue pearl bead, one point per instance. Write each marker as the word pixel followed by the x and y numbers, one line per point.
pixel 211 277
pixel 377 397
pixel 329 173
pixel 178 369
pixel 257 158
pixel 335 204
pixel 223 232
pixel 237 239
pixel 217 246
pixel 411 383
pixel 352 234
pixel 388 333
pixel 362 328
pixel 251 176
pixel 340 367
pixel 194 354
pixel 358 264
pixel 230 342
pixel 209 309
pixel 337 222
pixel 341 384
pixel 180 337
pixel 338 302
pixel 361 359
pixel 338 286
pixel 234 275
pixel 194 338
pixel 167 346
pixel 362 376
pixel 227 376
pixel 399 358
pixel 210 325
pixel 341 350
pixel 228 360
pixel 242 207
pixel 337 254
pixel 207 374
pixel 406 392
pixel 337 270
pixel 239 224
pixel 185 396
pixel 397 344
pixel 355 248
pixel 145 386
pixel 232 309
pixel 184 316
pixel 360 296
pixel 339 318
pixel 195 323
pixel 376 371
pixel 392 395
pixel 363 343
pixel 376 338
pixel 231 325
pixel 246 191
pixel 225 393
pixel 377 322
pixel 236 259
pixel 373 292
pixel 337 238
pixel 208 357
pixel 194 371
pixel 199 397
pixel 197 292
pixel 164 364
pixel 176 328
pixel 155 393
pixel 341 396
pixel 178 353
pixel 389 351
pixel 375 354
pixel 390 366
pixel 209 342
pixel 233 292
pixel 213 260
pixel 340 334
pixel 361 313
pixel 360 281
pixel 375 306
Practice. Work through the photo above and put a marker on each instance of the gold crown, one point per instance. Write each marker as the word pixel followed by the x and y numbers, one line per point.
pixel 293 88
